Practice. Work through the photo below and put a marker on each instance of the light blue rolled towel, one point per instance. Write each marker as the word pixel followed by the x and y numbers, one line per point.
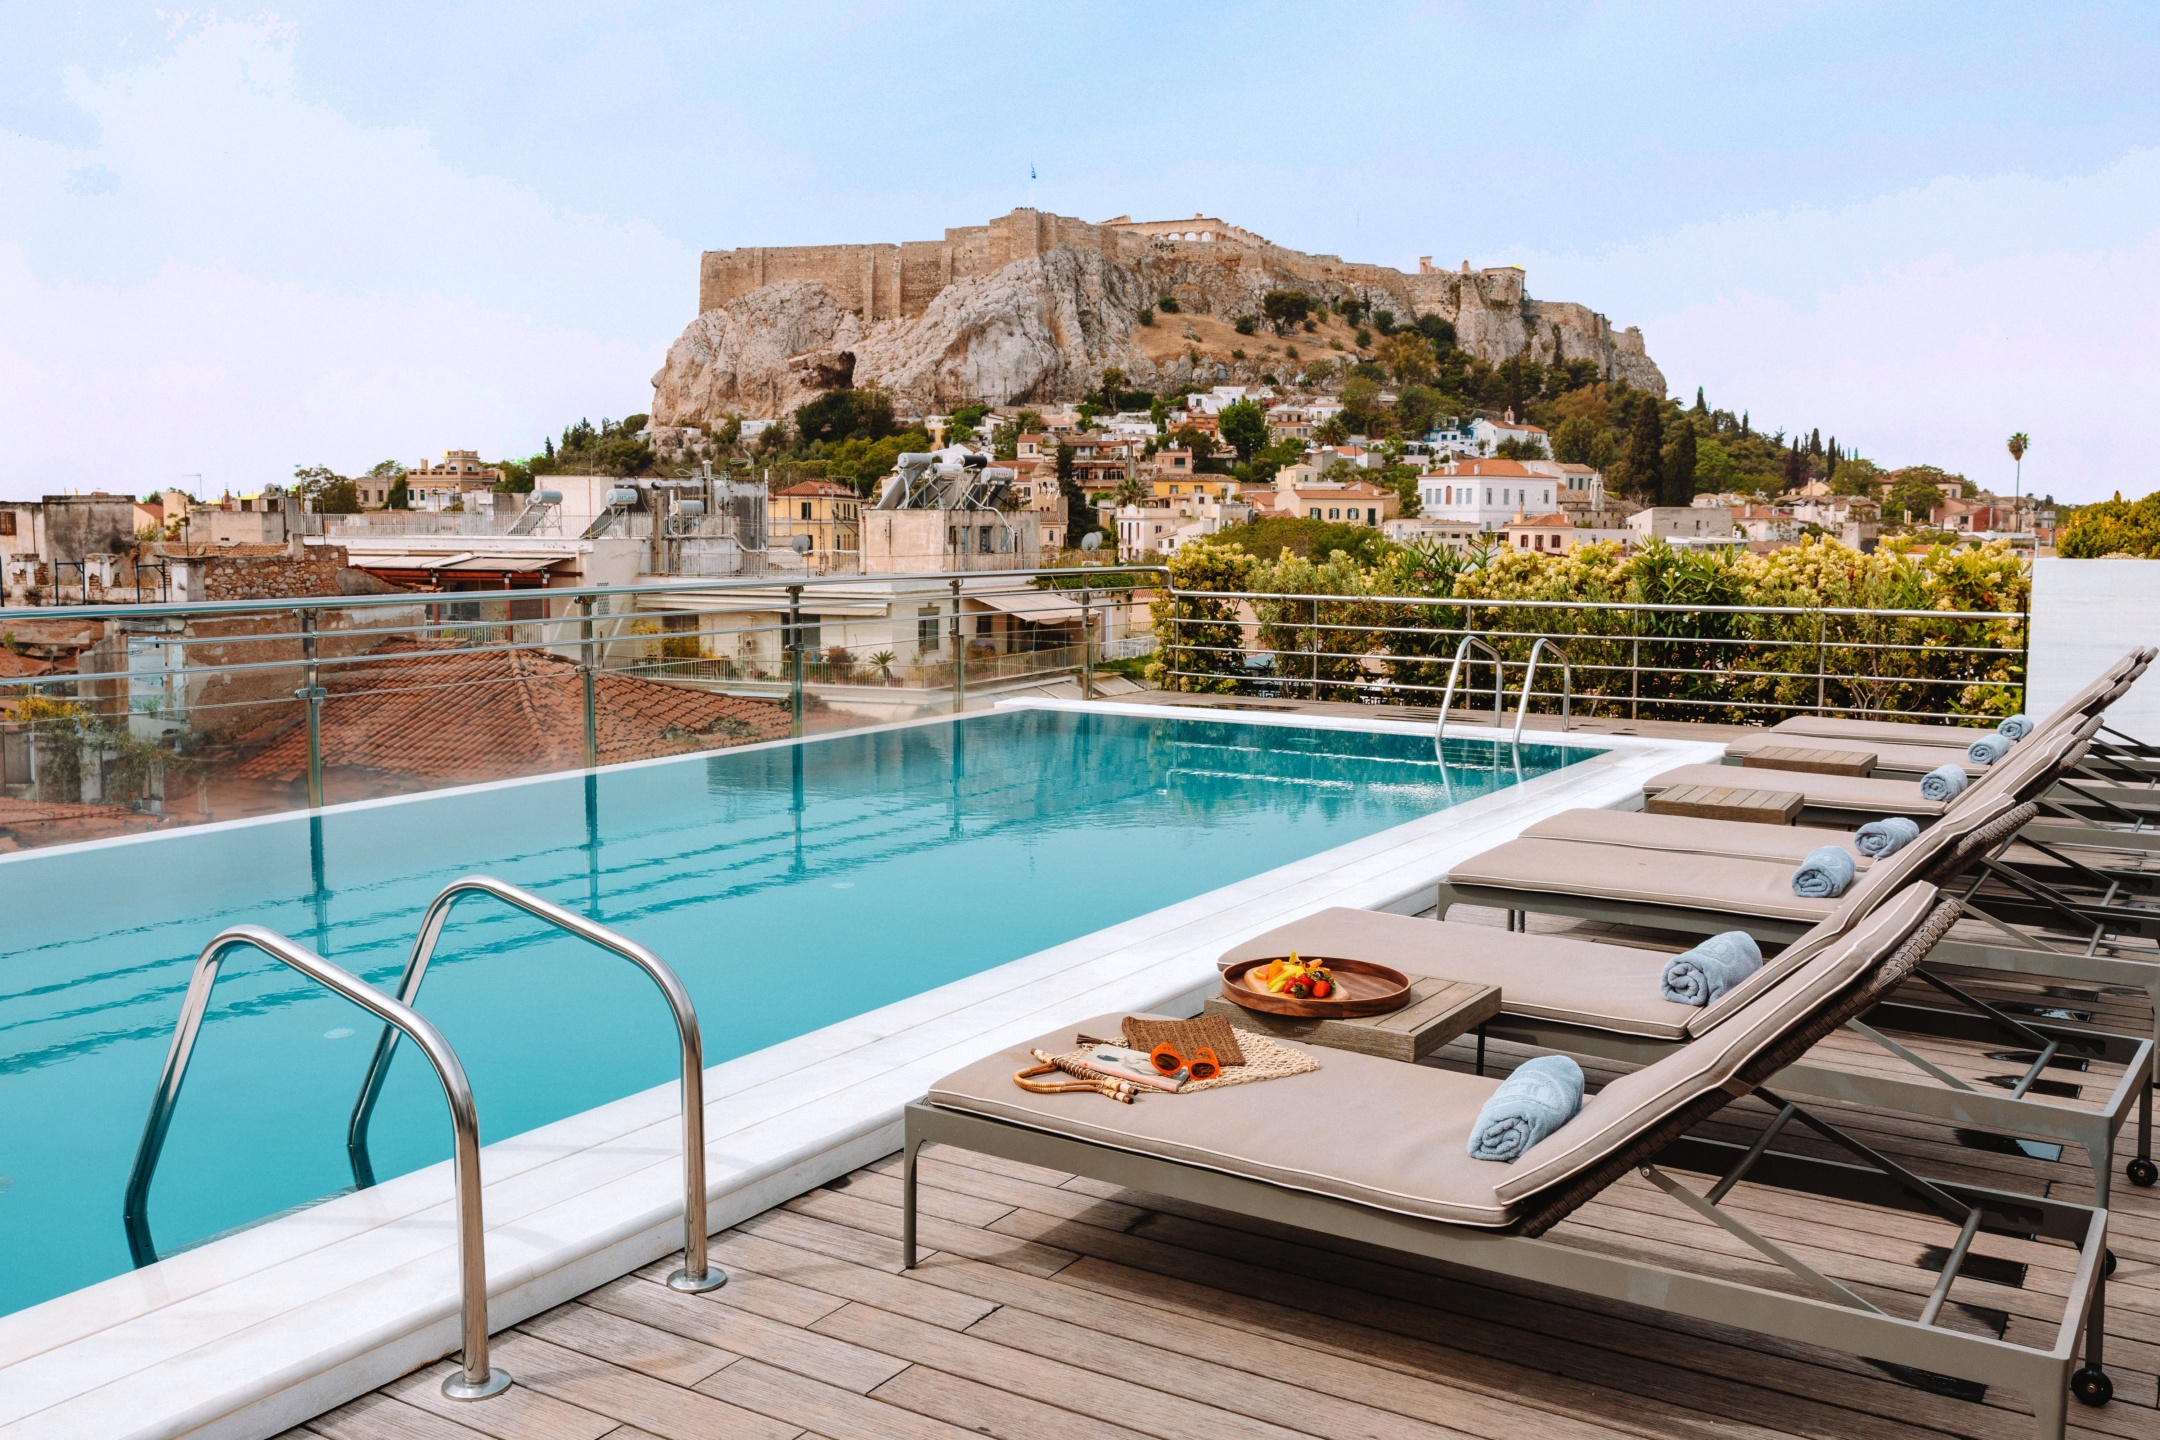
pixel 1943 782
pixel 1988 749
pixel 1878 838
pixel 1701 975
pixel 1825 873
pixel 2017 727
pixel 1541 1096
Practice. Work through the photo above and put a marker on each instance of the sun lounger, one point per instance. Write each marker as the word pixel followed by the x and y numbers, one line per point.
pixel 1904 732
pixel 1848 801
pixel 1374 1151
pixel 1892 761
pixel 1593 998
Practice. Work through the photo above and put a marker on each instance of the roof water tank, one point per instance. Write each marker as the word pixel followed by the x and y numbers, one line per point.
pixel 622 495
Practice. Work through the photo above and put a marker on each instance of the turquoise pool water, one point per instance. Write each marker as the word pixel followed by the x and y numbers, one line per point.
pixel 792 886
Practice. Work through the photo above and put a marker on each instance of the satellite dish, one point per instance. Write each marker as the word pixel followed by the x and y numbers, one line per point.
pixel 1091 541
pixel 799 543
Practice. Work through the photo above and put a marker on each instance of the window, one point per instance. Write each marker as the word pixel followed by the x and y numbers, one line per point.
pixel 1488 495
pixel 926 628
pixel 810 635
pixel 982 539
pixel 1372 514
pixel 805 509
pixel 983 625
pixel 1315 512
pixel 7 522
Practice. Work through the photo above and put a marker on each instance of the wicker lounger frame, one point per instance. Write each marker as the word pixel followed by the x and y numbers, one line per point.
pixel 1841 1322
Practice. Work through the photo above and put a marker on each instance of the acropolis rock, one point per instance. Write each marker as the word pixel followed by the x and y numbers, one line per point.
pixel 1032 307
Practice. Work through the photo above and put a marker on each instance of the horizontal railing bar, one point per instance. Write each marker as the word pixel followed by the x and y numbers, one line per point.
pixel 1616 606
pixel 781 583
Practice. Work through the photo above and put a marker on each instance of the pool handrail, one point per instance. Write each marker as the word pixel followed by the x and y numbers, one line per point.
pixel 1567 684
pixel 474 1380
pixel 1447 696
pixel 698 1274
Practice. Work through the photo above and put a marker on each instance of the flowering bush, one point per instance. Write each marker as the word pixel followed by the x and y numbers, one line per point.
pixel 1747 635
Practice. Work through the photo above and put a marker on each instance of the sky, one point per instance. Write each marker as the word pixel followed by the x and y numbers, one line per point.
pixel 234 242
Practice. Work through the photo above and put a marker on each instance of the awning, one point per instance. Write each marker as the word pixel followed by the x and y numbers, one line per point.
pixel 465 560
pixel 1039 607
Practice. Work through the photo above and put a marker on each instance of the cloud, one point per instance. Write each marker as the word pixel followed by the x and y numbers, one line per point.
pixel 230 279
pixel 1921 326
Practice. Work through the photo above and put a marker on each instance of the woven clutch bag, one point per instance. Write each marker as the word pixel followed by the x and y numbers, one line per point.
pixel 1212 1032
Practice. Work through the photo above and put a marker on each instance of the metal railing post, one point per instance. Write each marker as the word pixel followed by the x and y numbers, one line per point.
pixel 795 660
pixel 697 1273
pixel 1822 664
pixel 1315 682
pixel 588 664
pixel 312 695
pixel 959 656
pixel 1087 645
pixel 474 1380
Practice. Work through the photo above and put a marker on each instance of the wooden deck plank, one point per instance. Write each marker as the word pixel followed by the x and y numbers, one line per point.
pixel 672 1412
pixel 519 1413
pixel 711 1323
pixel 378 1417
pixel 824 1409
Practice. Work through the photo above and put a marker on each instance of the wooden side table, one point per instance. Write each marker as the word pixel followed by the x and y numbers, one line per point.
pixel 1814 760
pixel 1728 802
pixel 1439 1010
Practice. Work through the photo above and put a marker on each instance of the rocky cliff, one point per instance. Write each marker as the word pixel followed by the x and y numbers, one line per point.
pixel 1032 308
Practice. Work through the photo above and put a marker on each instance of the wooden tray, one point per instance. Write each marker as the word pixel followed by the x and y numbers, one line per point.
pixel 1364 989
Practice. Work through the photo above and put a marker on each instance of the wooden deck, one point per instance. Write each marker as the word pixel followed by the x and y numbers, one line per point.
pixel 1054 1307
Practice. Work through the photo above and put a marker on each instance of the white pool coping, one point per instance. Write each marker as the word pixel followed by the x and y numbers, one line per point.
pixel 247 1336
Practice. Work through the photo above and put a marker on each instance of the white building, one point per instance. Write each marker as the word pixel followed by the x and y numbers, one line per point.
pixel 1484 495
pixel 1486 436
pixel 1684 522
pixel 1582 487
pixel 1163 528
pixel 1220 398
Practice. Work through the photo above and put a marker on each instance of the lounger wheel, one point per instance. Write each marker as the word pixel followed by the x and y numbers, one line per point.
pixel 2092 1386
pixel 2142 1172
pixel 2107 1262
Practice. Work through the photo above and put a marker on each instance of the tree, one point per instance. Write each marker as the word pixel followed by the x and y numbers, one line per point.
pixel 1244 325
pixel 1131 490
pixel 844 414
pixel 1715 469
pixel 1244 427
pixel 1643 459
pixel 1408 357
pixel 325 491
pixel 1331 431
pixel 1440 333
pixel 400 496
pixel 1576 440
pixel 2018 445
pixel 1679 476
pixel 2113 527
pixel 1285 308
pixel 1700 407
pixel 1911 497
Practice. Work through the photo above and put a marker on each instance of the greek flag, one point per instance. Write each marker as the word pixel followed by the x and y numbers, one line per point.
pixel 1031 169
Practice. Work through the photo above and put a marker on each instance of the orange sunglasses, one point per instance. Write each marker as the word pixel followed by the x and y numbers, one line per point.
pixel 1201 1064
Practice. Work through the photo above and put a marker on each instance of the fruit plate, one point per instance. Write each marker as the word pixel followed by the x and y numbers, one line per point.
pixel 1360 989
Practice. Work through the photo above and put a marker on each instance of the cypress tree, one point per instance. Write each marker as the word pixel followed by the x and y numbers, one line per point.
pixel 1679 477
pixel 1644 458
pixel 1700 407
pixel 1814 444
pixel 1743 423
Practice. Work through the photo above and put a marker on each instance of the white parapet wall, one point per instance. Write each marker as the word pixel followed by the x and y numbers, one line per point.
pixel 2085 615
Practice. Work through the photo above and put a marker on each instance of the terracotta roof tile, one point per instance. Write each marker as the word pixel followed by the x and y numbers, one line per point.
pixel 444 713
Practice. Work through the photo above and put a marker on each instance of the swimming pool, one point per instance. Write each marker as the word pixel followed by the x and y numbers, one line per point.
pixel 792 885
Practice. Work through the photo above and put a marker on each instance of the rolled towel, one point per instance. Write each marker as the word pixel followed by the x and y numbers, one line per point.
pixel 1878 838
pixel 1541 1096
pixel 1988 749
pixel 1943 782
pixel 1701 975
pixel 1825 873
pixel 2017 727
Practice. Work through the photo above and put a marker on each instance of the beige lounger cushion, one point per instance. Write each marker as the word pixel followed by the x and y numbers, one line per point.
pixel 1641 1098
pixel 1845 792
pixel 1887 732
pixel 1905 760
pixel 1547 977
pixel 1359 1128
pixel 1718 883
pixel 1685 834
pixel 1395 1136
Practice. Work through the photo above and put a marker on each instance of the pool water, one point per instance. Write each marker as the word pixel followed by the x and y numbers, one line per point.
pixel 792 886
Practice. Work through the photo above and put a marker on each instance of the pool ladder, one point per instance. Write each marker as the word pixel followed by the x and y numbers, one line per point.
pixel 474 1380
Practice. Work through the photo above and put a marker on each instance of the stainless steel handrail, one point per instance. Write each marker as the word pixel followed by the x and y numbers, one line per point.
pixel 1567 685
pixel 697 1273
pixel 1447 696
pixel 474 1380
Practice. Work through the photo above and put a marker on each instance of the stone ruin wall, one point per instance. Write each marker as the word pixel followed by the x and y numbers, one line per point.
pixel 898 281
